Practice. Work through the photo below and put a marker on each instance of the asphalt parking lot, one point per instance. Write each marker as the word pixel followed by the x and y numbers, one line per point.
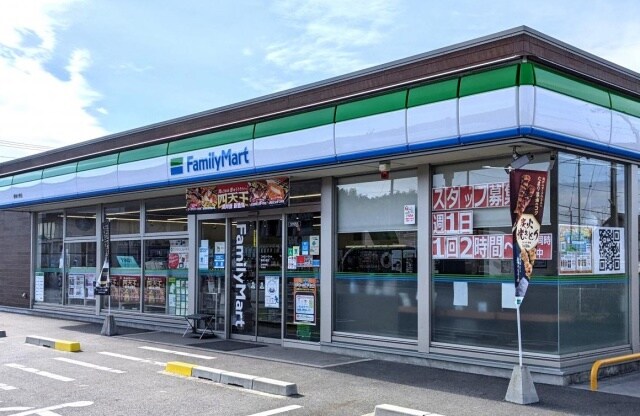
pixel 126 375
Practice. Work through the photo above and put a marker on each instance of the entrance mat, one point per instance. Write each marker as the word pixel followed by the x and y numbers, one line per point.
pixel 97 329
pixel 227 345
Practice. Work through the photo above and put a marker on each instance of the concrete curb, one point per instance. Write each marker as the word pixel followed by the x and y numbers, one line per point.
pixel 265 385
pixel 58 344
pixel 391 410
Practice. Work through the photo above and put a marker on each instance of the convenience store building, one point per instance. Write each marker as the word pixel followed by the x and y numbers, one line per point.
pixel 367 214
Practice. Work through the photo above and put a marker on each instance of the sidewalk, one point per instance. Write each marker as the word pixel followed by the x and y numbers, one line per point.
pixel 430 388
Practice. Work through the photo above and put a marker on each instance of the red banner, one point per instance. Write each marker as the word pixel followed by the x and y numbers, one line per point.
pixel 528 188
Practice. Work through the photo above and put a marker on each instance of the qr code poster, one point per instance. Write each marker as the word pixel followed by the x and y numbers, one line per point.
pixel 608 250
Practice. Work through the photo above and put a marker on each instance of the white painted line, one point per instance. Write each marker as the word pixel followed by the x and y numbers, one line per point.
pixel 47 411
pixel 186 354
pixel 278 411
pixel 7 387
pixel 89 365
pixel 40 373
pixel 130 358
pixel 14 409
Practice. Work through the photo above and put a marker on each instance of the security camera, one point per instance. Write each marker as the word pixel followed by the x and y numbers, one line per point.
pixel 518 161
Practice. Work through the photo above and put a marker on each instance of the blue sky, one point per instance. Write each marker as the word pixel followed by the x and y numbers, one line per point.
pixel 75 70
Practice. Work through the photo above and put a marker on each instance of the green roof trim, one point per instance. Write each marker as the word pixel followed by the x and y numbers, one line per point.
pixel 296 122
pixel 526 75
pixel 6 181
pixel 149 152
pixel 491 80
pixel 625 105
pixel 97 162
pixel 371 106
pixel 27 177
pixel 60 170
pixel 431 93
pixel 218 138
pixel 567 85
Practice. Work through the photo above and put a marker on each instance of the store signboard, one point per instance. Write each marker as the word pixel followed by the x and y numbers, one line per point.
pixel 238 196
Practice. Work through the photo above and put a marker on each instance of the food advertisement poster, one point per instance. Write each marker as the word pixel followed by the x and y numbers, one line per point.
pixel 527 188
pixel 155 290
pixel 178 254
pixel 264 193
pixel 304 295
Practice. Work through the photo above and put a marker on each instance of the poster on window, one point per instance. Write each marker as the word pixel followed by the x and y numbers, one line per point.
pixel 304 298
pixel 485 247
pixel 75 284
pixel 178 254
pixel 528 188
pixel 486 195
pixel 591 250
pixel 89 285
pixel 155 290
pixel 272 292
pixel 264 193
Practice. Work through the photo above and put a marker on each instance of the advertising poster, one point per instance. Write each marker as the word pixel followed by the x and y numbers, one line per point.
pixel 272 292
pixel 178 254
pixel 265 193
pixel 314 245
pixel 127 288
pixel 527 188
pixel 576 242
pixel 591 250
pixel 39 287
pixel 89 285
pixel 75 286
pixel 304 296
pixel 155 290
pixel 218 255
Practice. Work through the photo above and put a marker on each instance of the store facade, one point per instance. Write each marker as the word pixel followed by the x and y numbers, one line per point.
pixel 368 214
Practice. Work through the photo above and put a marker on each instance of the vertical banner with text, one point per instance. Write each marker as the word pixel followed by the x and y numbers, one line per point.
pixel 527 189
pixel 103 283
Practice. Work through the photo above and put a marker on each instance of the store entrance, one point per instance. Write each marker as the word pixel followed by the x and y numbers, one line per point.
pixel 256 279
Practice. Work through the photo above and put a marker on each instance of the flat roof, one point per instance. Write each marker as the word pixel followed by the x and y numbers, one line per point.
pixel 517 44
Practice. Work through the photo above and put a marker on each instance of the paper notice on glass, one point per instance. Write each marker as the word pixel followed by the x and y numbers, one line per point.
pixel 203 257
pixel 508 296
pixel 314 245
pixel 409 214
pixel 460 294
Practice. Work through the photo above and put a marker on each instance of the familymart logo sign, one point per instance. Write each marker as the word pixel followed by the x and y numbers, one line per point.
pixel 210 161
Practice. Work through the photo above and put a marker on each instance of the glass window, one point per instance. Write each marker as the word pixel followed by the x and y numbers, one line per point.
pixel 472 275
pixel 124 217
pixel 80 264
pixel 49 260
pixel 125 274
pixel 593 280
pixel 305 192
pixel 211 268
pixel 165 273
pixel 163 215
pixel 303 277
pixel 376 275
pixel 81 222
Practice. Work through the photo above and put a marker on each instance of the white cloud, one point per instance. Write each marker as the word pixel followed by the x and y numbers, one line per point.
pixel 330 33
pixel 36 106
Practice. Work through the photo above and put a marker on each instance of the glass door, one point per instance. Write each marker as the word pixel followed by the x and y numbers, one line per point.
pixel 256 279
pixel 212 264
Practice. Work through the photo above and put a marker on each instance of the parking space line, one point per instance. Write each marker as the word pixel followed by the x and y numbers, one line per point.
pixel 39 372
pixel 130 358
pixel 48 410
pixel 278 411
pixel 89 365
pixel 7 387
pixel 186 354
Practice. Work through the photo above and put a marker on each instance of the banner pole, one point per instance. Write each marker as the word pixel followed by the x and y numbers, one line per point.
pixel 519 334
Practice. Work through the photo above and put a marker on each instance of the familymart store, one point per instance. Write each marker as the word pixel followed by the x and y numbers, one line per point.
pixel 369 214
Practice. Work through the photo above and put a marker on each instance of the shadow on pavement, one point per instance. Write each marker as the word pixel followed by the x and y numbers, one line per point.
pixel 552 398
